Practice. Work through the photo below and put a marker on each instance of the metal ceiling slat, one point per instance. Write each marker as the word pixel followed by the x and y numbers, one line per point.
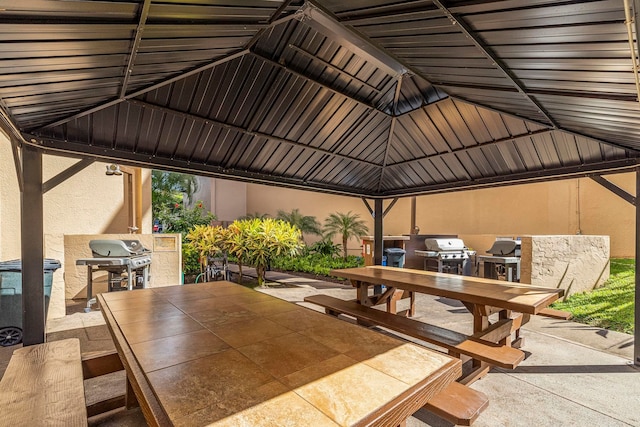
pixel 511 157
pixel 45 32
pixel 445 127
pixel 62 48
pixel 254 12
pixel 418 135
pixel 325 120
pixel 38 9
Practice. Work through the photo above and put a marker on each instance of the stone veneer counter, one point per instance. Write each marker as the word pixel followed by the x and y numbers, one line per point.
pixel 575 263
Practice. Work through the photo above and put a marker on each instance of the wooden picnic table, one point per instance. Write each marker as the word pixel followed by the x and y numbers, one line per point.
pixel 222 354
pixel 514 302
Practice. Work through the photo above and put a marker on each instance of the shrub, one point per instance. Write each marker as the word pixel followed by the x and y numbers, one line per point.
pixel 315 263
pixel 325 247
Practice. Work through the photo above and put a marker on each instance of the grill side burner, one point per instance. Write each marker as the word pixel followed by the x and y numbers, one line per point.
pixel 446 256
pixel 117 258
pixel 504 261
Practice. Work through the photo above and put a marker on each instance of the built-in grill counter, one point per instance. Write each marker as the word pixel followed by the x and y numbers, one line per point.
pixel 447 256
pixel 416 243
pixel 503 263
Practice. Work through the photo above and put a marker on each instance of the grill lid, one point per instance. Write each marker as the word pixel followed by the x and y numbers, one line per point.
pixel 117 248
pixel 505 247
pixel 441 245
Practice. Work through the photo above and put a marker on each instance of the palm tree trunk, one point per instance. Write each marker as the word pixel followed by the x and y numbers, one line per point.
pixel 344 246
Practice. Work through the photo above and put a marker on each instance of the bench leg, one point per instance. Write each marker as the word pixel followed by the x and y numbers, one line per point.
pixel 412 304
pixel 479 370
pixel 331 312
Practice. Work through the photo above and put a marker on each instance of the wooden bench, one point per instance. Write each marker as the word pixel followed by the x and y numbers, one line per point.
pixel 458 404
pixel 455 342
pixel 44 384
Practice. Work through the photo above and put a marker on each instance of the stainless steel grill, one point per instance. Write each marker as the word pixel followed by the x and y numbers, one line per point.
pixel 446 256
pixel 504 261
pixel 126 262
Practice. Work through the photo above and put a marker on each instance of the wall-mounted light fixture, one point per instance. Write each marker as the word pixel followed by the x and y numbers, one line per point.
pixel 113 169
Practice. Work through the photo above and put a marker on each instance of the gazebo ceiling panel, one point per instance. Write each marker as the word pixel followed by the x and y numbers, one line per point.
pixel 374 98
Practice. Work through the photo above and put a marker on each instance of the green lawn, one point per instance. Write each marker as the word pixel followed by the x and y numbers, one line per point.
pixel 610 306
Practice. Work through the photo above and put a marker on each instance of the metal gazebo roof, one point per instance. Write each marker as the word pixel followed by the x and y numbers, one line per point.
pixel 368 98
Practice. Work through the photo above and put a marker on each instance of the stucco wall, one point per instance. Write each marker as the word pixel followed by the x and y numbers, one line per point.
pixel 573 263
pixel 227 200
pixel 569 207
pixel 9 204
pixel 87 202
pixel 268 200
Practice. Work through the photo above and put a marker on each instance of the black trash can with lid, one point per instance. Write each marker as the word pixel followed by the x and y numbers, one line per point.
pixel 395 257
pixel 11 297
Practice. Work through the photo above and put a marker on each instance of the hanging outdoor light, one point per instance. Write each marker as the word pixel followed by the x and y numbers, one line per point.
pixel 113 169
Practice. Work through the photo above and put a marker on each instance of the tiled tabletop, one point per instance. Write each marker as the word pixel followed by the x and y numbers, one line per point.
pixel 222 354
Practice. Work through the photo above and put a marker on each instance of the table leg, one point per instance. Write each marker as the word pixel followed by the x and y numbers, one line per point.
pixel 392 302
pixel 362 292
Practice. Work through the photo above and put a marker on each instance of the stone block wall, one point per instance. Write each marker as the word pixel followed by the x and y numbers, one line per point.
pixel 575 263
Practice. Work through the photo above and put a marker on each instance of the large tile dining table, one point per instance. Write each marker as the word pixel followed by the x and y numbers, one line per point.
pixel 225 355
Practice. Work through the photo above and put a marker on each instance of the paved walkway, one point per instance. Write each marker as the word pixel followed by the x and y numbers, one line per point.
pixel 574 375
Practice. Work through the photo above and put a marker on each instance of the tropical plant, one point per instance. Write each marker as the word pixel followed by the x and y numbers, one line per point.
pixel 325 247
pixel 347 226
pixel 179 219
pixel 208 241
pixel 263 240
pixel 190 261
pixel 305 223
pixel 315 263
pixel 169 189
pixel 236 242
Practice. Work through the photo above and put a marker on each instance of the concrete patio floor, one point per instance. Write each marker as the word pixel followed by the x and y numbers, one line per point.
pixel 573 375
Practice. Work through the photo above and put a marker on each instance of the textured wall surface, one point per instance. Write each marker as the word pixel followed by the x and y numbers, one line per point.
pixel 569 207
pixel 573 263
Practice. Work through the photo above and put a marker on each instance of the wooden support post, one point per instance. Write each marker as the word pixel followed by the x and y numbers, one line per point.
pixel 378 244
pixel 32 244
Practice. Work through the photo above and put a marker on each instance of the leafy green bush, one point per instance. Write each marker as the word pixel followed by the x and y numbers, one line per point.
pixel 325 247
pixel 315 263
pixel 180 219
pixel 190 260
